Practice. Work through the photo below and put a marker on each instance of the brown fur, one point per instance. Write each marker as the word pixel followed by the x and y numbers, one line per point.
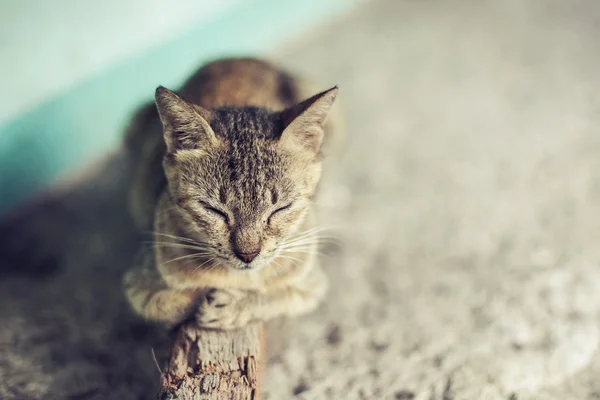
pixel 225 169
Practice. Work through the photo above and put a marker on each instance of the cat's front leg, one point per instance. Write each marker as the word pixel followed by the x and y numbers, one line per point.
pixel 151 298
pixel 232 308
pixel 226 309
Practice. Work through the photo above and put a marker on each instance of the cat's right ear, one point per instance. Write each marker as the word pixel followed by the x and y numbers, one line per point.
pixel 305 122
pixel 185 126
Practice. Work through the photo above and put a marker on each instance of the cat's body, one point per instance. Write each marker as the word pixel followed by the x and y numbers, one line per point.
pixel 226 183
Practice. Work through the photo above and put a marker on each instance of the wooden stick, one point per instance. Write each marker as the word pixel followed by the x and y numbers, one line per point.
pixel 215 365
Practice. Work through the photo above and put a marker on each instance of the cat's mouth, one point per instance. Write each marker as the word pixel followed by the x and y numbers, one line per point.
pixel 245 267
pixel 255 264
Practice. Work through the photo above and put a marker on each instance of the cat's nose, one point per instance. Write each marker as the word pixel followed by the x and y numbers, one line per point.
pixel 247 257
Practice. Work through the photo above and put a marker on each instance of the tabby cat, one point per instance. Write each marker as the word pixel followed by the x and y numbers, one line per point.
pixel 227 170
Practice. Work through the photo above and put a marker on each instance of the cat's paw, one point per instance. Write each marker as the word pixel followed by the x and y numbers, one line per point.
pixel 223 309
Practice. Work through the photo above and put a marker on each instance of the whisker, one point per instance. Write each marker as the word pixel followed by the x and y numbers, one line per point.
pixel 288 257
pixel 204 263
pixel 310 251
pixel 301 252
pixel 312 235
pixel 155 360
pixel 294 260
pixel 314 243
pixel 320 228
pixel 302 249
pixel 183 239
pixel 308 232
pixel 188 256
pixel 302 243
pixel 301 237
pixel 309 242
pixel 307 237
pixel 178 245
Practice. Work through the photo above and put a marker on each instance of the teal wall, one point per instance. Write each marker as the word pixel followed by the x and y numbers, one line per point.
pixel 78 126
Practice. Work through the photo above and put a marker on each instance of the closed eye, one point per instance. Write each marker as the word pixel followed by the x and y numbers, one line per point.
pixel 280 209
pixel 216 211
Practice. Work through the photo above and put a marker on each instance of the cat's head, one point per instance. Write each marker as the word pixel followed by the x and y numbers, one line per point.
pixel 244 178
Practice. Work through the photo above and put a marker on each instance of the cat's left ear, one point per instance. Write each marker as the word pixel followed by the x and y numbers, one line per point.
pixel 185 126
pixel 304 123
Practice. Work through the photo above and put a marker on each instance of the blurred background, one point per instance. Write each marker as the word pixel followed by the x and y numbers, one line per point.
pixel 467 201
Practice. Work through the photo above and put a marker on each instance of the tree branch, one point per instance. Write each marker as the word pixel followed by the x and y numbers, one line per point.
pixel 215 365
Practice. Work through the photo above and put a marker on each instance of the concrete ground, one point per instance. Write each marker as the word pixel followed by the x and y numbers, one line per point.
pixel 468 207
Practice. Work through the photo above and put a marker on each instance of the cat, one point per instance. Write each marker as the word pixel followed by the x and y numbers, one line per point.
pixel 227 170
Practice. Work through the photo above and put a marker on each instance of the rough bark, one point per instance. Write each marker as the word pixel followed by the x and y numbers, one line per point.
pixel 215 365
